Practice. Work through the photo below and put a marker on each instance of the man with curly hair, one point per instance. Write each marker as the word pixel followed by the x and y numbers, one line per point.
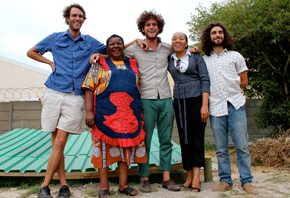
pixel 63 102
pixel 155 93
pixel 228 76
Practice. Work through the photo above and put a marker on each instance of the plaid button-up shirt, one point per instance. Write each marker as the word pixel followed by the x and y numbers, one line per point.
pixel 224 70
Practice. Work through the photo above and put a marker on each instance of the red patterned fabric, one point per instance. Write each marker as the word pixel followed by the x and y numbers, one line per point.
pixel 104 155
pixel 133 64
pixel 119 142
pixel 102 61
pixel 124 120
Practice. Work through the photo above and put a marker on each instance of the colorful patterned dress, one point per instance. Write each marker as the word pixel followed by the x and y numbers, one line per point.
pixel 118 133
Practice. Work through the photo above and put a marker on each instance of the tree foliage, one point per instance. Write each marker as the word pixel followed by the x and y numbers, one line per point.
pixel 261 29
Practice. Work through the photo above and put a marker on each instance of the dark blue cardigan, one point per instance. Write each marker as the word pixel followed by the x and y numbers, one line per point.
pixel 194 81
pixel 191 83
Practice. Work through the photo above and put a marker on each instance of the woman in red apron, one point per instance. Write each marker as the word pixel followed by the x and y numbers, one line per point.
pixel 113 111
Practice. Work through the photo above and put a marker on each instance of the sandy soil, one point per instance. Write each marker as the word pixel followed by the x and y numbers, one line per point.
pixel 270 181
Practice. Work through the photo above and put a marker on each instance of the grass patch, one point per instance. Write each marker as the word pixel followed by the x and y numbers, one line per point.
pixel 30 191
pixel 234 192
pixel 77 182
pixel 3 189
pixel 190 196
pixel 115 193
pixel 92 193
pixel 257 162
pixel 278 179
pixel 224 195
pixel 279 192
pixel 95 193
pixel 154 189
pixel 19 182
pixel 209 147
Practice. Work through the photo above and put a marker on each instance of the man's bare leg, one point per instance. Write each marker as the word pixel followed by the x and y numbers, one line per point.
pixel 56 159
pixel 61 167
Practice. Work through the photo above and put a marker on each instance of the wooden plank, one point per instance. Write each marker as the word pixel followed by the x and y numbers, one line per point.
pixel 2 174
pixel 87 175
pixel 208 170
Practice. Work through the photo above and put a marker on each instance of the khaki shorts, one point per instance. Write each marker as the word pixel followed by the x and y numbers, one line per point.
pixel 62 111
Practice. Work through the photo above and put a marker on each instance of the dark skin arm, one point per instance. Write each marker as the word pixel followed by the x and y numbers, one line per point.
pixel 89 103
pixel 95 57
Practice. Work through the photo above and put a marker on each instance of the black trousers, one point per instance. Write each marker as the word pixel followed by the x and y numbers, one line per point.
pixel 193 152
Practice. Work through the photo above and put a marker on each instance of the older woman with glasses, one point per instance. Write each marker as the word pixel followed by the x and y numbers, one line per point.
pixel 191 93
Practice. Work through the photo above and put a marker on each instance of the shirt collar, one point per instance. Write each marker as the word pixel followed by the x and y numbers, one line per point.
pixel 175 57
pixel 80 37
pixel 224 51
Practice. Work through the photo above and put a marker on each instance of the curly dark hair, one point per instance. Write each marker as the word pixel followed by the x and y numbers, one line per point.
pixel 112 36
pixel 66 11
pixel 206 41
pixel 145 16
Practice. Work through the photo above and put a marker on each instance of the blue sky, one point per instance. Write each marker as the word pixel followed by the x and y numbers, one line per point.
pixel 24 23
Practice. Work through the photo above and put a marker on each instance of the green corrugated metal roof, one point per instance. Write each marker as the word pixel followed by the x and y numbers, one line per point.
pixel 28 151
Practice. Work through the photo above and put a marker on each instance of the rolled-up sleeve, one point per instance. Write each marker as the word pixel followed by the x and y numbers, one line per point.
pixel 45 44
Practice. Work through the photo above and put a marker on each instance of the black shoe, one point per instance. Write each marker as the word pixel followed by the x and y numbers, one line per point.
pixel 64 192
pixel 44 192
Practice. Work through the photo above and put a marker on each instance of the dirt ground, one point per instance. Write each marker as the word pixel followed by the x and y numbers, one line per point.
pixel 271 182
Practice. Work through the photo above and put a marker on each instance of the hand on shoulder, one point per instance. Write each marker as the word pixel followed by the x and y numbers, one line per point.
pixel 195 50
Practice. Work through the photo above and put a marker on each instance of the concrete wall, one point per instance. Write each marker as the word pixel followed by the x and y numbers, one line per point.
pixel 26 114
pixel 22 114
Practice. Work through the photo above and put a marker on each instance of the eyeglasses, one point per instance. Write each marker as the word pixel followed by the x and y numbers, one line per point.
pixel 177 65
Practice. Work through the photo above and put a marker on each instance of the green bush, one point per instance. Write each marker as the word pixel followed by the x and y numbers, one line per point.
pixel 274 115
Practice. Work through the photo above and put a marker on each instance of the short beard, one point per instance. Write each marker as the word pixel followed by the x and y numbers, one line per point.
pixel 74 29
pixel 217 44
pixel 151 37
